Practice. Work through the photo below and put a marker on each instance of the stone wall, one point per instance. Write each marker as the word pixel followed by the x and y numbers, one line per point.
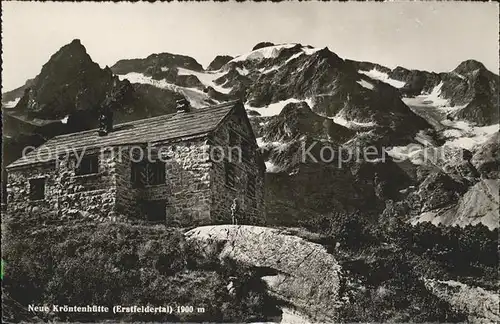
pixel 18 203
pixel 186 190
pixel 126 195
pixel 187 176
pixel 66 193
pixel 251 210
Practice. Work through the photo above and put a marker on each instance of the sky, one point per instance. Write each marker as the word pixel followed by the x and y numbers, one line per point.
pixel 434 36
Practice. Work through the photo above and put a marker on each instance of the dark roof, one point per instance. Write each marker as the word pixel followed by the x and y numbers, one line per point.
pixel 175 126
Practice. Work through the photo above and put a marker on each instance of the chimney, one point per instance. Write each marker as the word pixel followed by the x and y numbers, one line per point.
pixel 105 122
pixel 182 105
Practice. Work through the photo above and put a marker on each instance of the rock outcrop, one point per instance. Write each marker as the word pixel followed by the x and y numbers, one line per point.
pixel 480 305
pixel 486 159
pixel 219 62
pixel 298 272
pixel 479 205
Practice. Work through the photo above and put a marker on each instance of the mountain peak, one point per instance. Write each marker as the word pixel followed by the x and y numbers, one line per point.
pixel 469 66
pixel 262 45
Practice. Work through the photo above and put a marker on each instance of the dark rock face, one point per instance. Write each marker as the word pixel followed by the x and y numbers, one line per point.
pixel 299 72
pixel 416 81
pixel 155 62
pixel 367 66
pixel 469 66
pixel 487 158
pixel 218 62
pixel 469 84
pixel 262 45
pixel 297 120
pixel 439 190
pixel 71 85
pixel 482 90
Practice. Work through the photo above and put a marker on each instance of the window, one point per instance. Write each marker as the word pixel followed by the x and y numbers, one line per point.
pixel 147 173
pixel 88 165
pixel 251 186
pixel 37 189
pixel 230 174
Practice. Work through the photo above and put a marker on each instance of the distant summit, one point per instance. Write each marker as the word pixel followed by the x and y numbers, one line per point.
pixel 469 66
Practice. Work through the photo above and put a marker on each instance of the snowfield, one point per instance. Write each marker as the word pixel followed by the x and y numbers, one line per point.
pixel 275 109
pixel 262 53
pixel 341 120
pixel 384 77
pixel 206 78
pixel 467 136
pixel 273 52
pixel 196 97
pixel 433 100
pixel 461 135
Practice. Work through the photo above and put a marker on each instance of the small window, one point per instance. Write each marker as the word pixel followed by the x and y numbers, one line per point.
pixel 156 173
pixel 37 189
pixel 251 186
pixel 144 174
pixel 230 174
pixel 88 165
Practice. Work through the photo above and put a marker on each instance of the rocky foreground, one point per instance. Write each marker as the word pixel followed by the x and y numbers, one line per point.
pixel 480 304
pixel 298 272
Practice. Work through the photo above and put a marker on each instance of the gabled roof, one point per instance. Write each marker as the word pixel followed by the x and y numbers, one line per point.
pixel 175 126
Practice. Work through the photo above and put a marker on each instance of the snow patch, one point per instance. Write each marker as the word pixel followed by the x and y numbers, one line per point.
pixel 12 103
pixel 206 78
pixel 196 98
pixel 263 53
pixel 274 108
pixel 269 70
pixel 310 51
pixel 271 167
pixel 243 71
pixel 412 152
pixel 384 77
pixel 293 57
pixel 465 135
pixel 365 84
pixel 435 98
pixel 341 120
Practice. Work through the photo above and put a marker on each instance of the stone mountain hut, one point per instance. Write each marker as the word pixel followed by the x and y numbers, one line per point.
pixel 181 169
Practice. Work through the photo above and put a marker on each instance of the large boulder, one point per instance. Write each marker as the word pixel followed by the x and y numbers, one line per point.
pixel 300 273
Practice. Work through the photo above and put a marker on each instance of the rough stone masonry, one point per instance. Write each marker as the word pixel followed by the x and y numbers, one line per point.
pixel 195 184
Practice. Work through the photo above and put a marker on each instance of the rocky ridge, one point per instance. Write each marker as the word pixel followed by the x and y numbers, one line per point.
pixel 296 96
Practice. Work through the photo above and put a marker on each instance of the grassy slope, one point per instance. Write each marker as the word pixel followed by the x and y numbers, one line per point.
pixel 118 264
